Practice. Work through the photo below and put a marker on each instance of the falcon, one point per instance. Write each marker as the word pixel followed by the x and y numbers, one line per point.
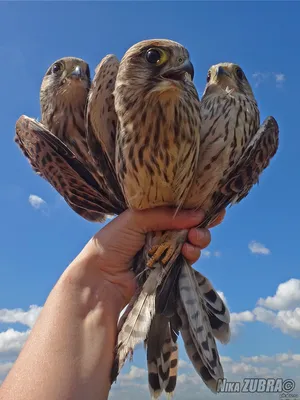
pixel 63 97
pixel 143 118
pixel 63 100
pixel 234 150
pixel 135 106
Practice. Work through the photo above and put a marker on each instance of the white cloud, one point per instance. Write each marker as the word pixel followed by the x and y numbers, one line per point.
pixel 183 364
pixel 285 359
pixel 134 373
pixel 36 201
pixel 244 316
pixel 258 248
pixel 225 359
pixel 248 369
pixel 288 321
pixel 4 369
pixel 12 341
pixel 286 302
pixel 274 77
pixel 221 294
pixel 287 296
pixel 208 254
pixel 190 386
pixel 280 77
pixel 237 320
pixel 259 77
pixel 27 318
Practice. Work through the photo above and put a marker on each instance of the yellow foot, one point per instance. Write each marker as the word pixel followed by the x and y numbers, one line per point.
pixel 157 251
pixel 169 247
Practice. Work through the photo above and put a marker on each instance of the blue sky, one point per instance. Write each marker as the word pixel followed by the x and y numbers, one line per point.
pixel 36 244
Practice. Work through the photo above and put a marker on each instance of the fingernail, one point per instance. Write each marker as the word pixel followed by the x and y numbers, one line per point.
pixel 201 234
pixel 190 248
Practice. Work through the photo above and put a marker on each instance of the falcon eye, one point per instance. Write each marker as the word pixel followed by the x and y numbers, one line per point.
pixel 208 76
pixel 240 73
pixel 155 56
pixel 56 67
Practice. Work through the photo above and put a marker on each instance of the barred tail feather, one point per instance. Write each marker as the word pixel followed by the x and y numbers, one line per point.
pixel 199 325
pixel 135 328
pixel 135 324
pixel 194 351
pixel 171 384
pixel 218 313
pixel 162 357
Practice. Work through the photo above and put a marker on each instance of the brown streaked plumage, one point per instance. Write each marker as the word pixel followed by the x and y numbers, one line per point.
pixel 170 298
pixel 233 152
pixel 61 168
pixel 230 119
pixel 101 122
pixel 158 124
pixel 156 158
pixel 156 155
pixel 63 98
pixel 66 93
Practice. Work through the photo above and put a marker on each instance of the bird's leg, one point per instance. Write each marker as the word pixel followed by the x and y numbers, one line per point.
pixel 166 246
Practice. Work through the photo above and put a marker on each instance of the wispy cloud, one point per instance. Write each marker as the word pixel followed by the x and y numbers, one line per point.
pixel 38 203
pixel 221 294
pixel 272 77
pixel 208 254
pixel 280 78
pixel 258 248
pixel 285 359
pixel 134 373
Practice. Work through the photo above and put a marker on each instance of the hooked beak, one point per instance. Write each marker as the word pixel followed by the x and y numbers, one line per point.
pixel 178 74
pixel 221 71
pixel 76 73
pixel 188 67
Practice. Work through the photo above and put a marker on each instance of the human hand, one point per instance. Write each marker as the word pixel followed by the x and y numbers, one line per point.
pixel 108 255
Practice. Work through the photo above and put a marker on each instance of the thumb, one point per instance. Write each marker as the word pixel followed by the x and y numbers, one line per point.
pixel 163 218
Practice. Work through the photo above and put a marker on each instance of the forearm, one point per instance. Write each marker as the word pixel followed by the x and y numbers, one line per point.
pixel 70 350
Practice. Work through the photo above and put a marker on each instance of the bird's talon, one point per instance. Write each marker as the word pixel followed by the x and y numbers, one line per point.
pixel 157 251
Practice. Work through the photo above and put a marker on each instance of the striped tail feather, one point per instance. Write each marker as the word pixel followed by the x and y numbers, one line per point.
pixel 218 313
pixel 135 323
pixel 162 357
pixel 198 320
pixel 194 351
pixel 170 387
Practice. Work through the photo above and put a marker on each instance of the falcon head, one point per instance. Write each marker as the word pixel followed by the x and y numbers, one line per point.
pixel 157 64
pixel 229 78
pixel 67 78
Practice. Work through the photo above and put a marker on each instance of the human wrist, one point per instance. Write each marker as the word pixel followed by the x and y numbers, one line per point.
pixel 91 286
